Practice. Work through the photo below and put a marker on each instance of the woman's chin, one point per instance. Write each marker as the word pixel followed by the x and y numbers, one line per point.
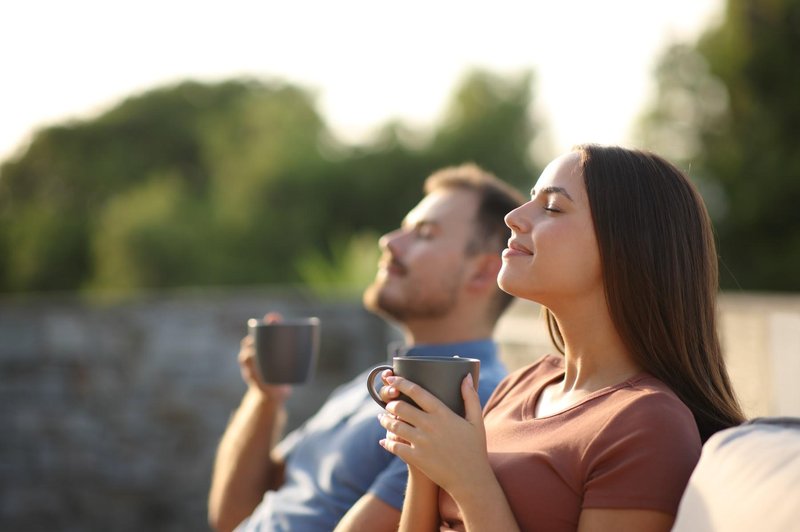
pixel 506 282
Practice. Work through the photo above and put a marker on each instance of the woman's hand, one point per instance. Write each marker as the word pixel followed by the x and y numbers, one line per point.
pixel 448 449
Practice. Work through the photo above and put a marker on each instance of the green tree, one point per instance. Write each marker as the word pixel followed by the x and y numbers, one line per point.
pixel 153 236
pixel 233 183
pixel 216 144
pixel 489 122
pixel 728 107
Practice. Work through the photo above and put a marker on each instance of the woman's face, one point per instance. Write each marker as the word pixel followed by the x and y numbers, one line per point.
pixel 552 257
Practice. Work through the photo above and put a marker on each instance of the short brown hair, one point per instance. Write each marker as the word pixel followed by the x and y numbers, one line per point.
pixel 496 198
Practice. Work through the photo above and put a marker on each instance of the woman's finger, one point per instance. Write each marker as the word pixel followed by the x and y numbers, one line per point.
pixel 385 374
pixel 472 402
pixel 392 435
pixel 408 413
pixel 426 400
pixel 399 428
pixel 388 393
pixel 400 449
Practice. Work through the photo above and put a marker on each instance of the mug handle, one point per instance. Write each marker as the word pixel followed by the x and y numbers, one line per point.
pixel 371 383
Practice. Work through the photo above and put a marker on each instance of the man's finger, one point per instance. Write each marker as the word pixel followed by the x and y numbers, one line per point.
pixel 272 317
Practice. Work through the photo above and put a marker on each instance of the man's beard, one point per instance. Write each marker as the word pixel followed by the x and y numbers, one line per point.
pixel 413 303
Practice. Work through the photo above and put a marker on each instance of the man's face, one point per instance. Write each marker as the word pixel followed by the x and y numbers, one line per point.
pixel 422 266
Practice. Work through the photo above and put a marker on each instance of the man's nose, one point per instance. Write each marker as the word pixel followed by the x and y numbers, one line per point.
pixel 391 240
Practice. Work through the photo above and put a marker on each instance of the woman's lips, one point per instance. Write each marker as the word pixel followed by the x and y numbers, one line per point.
pixel 515 249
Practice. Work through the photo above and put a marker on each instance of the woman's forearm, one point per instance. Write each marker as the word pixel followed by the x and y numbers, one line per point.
pixel 421 505
pixel 483 505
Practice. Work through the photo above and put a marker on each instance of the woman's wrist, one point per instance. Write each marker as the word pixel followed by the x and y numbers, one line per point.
pixel 482 483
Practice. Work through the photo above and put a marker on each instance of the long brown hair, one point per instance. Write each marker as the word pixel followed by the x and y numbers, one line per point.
pixel 660 275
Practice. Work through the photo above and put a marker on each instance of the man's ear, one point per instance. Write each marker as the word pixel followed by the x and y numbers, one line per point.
pixel 485 268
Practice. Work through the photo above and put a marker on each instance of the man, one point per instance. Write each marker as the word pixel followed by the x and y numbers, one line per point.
pixel 437 280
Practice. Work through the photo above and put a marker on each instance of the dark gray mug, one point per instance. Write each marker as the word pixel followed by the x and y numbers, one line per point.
pixel 441 376
pixel 286 351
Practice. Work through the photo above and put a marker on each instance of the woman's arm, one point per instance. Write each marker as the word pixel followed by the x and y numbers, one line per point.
pixel 421 505
pixel 449 450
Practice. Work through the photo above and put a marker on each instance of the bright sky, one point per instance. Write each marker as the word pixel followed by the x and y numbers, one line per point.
pixel 367 61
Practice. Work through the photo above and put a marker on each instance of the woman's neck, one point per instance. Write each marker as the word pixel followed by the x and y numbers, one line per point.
pixel 595 354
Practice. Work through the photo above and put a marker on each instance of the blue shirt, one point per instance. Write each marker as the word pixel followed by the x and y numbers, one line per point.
pixel 334 458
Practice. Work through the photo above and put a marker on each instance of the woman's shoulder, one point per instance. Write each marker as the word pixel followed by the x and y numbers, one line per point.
pixel 649 393
pixel 649 405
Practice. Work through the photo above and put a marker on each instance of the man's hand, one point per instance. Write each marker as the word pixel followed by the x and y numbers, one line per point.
pixel 249 368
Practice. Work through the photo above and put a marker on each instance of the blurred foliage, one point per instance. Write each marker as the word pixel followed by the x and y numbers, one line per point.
pixel 729 108
pixel 235 183
pixel 347 271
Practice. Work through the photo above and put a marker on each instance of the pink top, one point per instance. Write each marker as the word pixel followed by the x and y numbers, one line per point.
pixel 632 445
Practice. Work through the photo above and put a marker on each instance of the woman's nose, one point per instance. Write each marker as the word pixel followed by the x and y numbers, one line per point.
pixel 517 219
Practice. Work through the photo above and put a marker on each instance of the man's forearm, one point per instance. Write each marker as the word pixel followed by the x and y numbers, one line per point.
pixel 243 468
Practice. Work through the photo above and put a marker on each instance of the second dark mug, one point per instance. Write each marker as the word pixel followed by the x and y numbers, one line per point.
pixel 286 351
pixel 441 376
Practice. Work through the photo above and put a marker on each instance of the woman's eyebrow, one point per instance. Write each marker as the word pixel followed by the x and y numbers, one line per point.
pixel 554 190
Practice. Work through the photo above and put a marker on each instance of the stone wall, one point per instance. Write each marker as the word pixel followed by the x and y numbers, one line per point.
pixel 112 410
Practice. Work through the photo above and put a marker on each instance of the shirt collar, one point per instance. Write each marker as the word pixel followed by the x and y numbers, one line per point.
pixel 484 350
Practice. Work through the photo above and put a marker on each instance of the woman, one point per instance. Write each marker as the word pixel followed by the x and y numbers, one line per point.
pixel 617 247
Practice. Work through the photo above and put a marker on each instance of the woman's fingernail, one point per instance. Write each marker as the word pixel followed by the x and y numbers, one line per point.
pixel 469 381
pixel 382 443
pixel 391 390
pixel 390 379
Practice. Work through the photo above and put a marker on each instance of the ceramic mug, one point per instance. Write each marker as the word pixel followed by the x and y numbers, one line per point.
pixel 441 376
pixel 286 351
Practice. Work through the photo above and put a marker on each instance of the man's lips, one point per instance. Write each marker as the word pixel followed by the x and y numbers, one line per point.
pixel 393 267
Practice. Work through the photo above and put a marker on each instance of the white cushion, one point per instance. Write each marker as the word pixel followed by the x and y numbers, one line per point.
pixel 748 479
